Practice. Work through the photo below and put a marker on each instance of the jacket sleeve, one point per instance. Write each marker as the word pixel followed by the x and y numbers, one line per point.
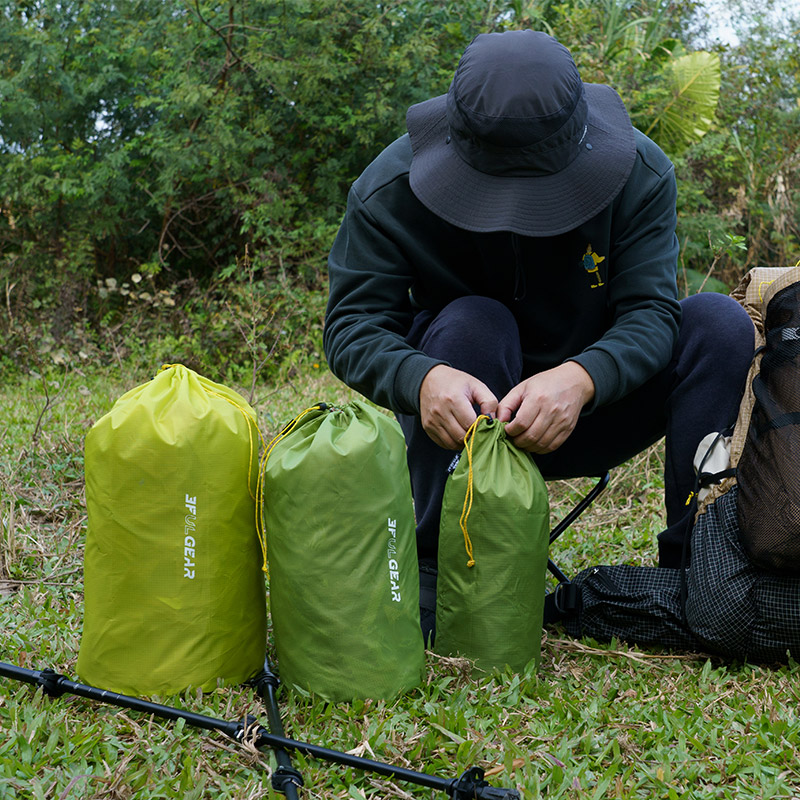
pixel 369 311
pixel 643 305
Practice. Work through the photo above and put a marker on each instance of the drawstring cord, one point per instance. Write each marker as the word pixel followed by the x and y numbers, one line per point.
pixel 469 440
pixel 251 424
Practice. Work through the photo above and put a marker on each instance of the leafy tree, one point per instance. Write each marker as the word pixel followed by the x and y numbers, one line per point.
pixel 142 134
pixel 162 138
pixel 167 139
pixel 745 176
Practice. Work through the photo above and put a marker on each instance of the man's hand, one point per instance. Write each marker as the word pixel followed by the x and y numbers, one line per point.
pixel 446 402
pixel 547 407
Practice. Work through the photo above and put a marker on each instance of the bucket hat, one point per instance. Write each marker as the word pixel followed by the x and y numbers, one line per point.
pixel 519 143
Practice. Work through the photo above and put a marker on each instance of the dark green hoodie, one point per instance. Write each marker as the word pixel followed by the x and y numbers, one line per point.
pixel 603 295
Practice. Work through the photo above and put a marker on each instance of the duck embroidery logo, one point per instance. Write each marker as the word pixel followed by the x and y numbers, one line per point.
pixel 591 262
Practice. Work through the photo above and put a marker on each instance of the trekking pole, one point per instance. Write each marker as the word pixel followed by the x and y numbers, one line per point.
pixel 469 786
pixel 286 779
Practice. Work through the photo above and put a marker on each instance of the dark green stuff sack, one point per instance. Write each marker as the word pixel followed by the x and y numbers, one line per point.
pixel 341 548
pixel 493 544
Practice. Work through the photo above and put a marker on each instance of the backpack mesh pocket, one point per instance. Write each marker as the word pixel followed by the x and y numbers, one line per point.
pixel 769 468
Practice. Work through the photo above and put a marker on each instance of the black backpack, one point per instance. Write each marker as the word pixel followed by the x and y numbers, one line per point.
pixel 740 595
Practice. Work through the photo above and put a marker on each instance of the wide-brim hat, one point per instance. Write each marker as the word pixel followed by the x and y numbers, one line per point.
pixel 520 143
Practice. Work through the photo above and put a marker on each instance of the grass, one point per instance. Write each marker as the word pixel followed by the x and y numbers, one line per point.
pixel 596 720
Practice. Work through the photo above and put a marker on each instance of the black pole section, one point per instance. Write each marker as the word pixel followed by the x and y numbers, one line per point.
pixel 286 779
pixel 601 484
pixel 470 786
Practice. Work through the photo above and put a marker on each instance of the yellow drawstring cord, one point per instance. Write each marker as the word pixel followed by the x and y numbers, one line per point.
pixel 251 423
pixel 262 535
pixel 469 439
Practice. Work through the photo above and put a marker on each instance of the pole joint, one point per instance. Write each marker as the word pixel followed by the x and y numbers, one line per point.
pixel 266 677
pixel 284 776
pixel 472 786
pixel 51 683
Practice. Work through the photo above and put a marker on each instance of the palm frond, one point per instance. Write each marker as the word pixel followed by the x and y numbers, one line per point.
pixel 693 81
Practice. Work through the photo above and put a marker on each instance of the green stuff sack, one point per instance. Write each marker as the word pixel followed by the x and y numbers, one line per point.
pixel 174 591
pixel 493 544
pixel 341 546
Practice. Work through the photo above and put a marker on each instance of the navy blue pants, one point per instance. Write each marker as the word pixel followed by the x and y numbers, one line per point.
pixel 698 392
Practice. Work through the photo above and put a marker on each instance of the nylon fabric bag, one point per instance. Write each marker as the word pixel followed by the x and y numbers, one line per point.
pixel 636 604
pixel 341 547
pixel 493 545
pixel 174 591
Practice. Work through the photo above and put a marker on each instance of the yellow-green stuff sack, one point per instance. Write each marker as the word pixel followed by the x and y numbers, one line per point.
pixel 493 545
pixel 174 591
pixel 341 546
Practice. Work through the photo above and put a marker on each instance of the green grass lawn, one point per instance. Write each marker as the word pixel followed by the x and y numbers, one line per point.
pixel 596 720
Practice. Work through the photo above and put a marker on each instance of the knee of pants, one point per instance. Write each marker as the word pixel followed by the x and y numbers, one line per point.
pixel 475 318
pixel 471 325
pixel 720 318
pixel 717 329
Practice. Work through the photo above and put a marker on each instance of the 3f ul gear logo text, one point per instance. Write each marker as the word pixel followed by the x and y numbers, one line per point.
pixel 189 530
pixel 591 263
pixel 394 567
